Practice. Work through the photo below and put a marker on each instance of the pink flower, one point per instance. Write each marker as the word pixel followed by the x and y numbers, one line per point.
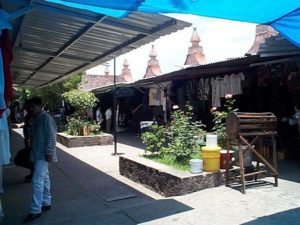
pixel 228 96
pixel 175 107
pixel 213 109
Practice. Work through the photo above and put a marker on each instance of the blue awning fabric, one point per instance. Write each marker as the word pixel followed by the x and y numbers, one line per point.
pixel 4 24
pixel 283 15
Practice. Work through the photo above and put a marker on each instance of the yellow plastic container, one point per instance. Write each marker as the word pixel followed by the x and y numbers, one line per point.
pixel 211 158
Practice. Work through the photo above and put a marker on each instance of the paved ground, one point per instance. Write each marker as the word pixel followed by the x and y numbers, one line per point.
pixel 88 190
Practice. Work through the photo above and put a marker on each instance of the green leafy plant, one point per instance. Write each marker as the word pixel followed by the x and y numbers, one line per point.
pixel 219 119
pixel 51 95
pixel 155 139
pixel 183 135
pixel 75 126
pixel 81 101
pixel 177 143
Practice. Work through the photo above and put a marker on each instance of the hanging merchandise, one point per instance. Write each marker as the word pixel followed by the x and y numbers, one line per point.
pixel 227 86
pixel 233 83
pixel 215 92
pixel 7 56
pixel 203 88
pixel 152 97
pixel 221 87
pixel 240 77
pixel 163 98
pixel 4 138
pixel 190 91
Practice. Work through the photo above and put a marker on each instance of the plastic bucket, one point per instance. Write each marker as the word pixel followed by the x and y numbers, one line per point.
pixel 223 159
pixel 196 165
pixel 211 158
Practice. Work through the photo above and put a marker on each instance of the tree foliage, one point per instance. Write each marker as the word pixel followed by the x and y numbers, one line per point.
pixel 81 100
pixel 51 95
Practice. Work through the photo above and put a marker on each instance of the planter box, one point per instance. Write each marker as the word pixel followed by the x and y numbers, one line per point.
pixel 164 179
pixel 81 141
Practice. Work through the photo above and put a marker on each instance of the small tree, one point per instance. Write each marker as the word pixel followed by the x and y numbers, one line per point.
pixel 81 101
pixel 51 95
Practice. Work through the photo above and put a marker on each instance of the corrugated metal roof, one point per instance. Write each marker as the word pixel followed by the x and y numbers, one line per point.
pixel 52 41
pixel 277 45
pixel 216 68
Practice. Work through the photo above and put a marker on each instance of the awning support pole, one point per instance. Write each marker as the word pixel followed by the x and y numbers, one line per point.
pixel 115 111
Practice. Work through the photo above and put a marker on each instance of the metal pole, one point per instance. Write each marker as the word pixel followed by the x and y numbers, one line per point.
pixel 115 112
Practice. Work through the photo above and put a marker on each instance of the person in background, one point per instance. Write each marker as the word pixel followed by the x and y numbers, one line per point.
pixel 23 156
pixel 43 151
pixel 99 116
pixel 108 118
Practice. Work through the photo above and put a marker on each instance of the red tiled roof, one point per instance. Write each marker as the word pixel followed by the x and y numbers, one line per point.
pixel 95 81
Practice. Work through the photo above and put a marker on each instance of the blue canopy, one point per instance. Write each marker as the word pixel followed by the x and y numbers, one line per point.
pixel 283 15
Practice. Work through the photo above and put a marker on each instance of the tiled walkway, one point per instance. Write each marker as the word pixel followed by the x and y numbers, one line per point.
pixel 88 190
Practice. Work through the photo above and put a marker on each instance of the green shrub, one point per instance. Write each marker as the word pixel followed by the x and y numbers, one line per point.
pixel 154 139
pixel 81 101
pixel 179 142
pixel 75 126
pixel 183 135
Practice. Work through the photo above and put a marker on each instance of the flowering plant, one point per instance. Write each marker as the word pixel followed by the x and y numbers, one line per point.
pixel 183 134
pixel 219 120
pixel 178 141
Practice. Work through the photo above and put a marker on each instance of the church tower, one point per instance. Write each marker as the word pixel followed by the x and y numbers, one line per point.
pixel 153 68
pixel 195 54
pixel 126 73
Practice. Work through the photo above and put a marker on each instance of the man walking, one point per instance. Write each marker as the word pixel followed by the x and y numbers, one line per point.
pixel 108 118
pixel 43 151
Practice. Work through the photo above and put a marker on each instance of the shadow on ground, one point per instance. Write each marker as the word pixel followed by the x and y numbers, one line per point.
pixel 131 140
pixel 81 195
pixel 290 217
pixel 289 170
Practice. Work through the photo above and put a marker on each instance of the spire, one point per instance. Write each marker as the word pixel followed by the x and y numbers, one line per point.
pixel 195 54
pixel 195 39
pixel 126 73
pixel 106 71
pixel 153 68
pixel 262 32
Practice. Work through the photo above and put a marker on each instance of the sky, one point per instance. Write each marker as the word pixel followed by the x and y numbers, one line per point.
pixel 220 39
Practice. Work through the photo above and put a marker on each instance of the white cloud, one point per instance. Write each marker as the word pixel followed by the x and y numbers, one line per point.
pixel 221 39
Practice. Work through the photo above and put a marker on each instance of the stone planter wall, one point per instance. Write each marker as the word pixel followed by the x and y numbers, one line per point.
pixel 81 141
pixel 166 180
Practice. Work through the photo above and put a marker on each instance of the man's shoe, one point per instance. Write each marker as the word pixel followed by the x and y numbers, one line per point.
pixel 46 207
pixel 31 217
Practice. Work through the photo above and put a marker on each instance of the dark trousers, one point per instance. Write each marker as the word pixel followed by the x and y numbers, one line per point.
pixel 23 159
pixel 108 125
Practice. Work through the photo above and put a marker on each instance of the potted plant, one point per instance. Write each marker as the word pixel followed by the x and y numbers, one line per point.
pixel 81 101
